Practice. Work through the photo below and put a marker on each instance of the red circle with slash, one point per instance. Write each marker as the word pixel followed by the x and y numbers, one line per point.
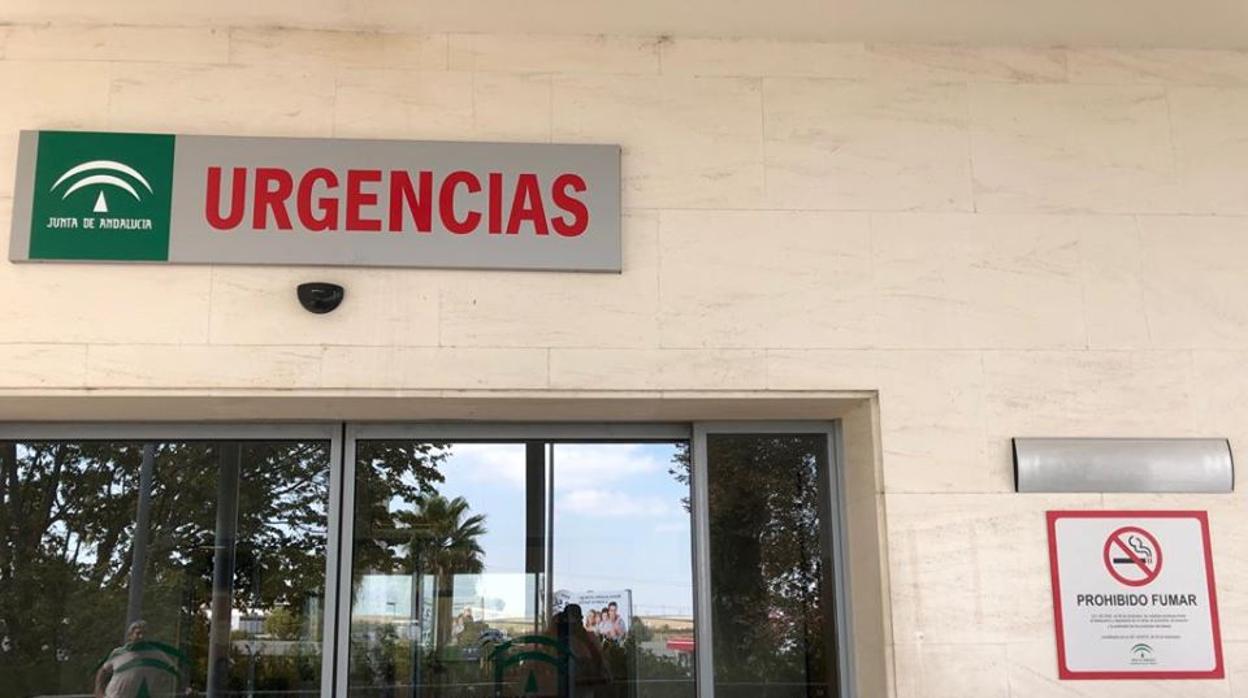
pixel 1130 565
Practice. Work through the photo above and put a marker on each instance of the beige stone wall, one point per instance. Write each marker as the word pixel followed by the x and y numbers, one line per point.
pixel 1001 242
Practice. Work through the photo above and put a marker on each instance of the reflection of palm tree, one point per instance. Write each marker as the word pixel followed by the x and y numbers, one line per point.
pixel 444 541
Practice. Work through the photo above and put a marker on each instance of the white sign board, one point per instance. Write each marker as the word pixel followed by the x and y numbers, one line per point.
pixel 1133 595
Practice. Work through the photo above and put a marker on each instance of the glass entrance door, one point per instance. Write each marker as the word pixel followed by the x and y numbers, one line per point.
pixel 536 567
pixel 431 561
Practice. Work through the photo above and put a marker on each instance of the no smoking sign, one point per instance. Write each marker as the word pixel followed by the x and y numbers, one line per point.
pixel 1134 595
pixel 1133 556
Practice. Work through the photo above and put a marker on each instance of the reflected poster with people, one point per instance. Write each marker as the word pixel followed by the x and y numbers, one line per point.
pixel 605 614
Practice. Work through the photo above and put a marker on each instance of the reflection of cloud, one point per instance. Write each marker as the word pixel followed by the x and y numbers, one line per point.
pixel 577 466
pixel 615 504
pixel 487 463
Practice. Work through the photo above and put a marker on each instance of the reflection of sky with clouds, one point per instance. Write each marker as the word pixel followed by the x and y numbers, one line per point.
pixel 619 522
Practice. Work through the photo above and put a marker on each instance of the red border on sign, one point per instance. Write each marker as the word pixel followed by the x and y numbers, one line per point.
pixel 1063 672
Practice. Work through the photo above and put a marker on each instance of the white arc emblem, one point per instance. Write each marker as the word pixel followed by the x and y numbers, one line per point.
pixel 102 176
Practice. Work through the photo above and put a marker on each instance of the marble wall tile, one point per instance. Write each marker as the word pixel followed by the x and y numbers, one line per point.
pixel 687 142
pixel 979 281
pixel 512 107
pixel 1210 148
pixel 1033 674
pixel 326 49
pixel 171 366
pixel 6 223
pixel 927 670
pixel 143 12
pixel 381 307
pixel 822 369
pixel 1158 66
pixel 762 58
pixel 849 60
pixel 972 568
pixel 554 54
pixel 1114 281
pixel 866 146
pixel 402 104
pixel 104 303
pixel 60 42
pixel 764 280
pixel 932 417
pixel 502 309
pixel 1086 393
pixel 657 369
pixel 1072 149
pixel 1194 281
pixel 1220 396
pixel 434 368
pixel 1235 654
pixel 938 63
pixel 232 100
pixel 69 95
pixel 57 365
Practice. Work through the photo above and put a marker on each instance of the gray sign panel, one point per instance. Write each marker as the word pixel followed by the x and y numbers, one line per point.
pixel 226 200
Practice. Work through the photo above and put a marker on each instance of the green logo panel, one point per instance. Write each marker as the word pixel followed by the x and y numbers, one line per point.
pixel 102 196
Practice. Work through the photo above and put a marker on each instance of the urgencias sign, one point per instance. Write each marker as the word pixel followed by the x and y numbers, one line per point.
pixel 124 197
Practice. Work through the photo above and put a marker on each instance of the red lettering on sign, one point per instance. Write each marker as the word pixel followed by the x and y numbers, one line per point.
pixel 404 197
pixel 526 205
pixel 446 202
pixel 570 204
pixel 272 199
pixel 496 203
pixel 327 206
pixel 212 203
pixel 362 200
pixel 357 199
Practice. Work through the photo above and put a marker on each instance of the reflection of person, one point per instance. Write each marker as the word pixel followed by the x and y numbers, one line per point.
pixel 137 668
pixel 462 622
pixel 590 668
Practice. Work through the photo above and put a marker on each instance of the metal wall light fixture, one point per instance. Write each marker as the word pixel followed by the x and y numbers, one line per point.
pixel 1123 465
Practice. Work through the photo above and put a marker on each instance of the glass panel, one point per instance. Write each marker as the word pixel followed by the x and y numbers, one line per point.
pixel 622 556
pixel 772 587
pixel 130 569
pixel 452 549
pixel 439 576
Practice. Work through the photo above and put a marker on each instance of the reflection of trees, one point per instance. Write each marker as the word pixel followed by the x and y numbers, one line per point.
pixel 443 542
pixel 771 588
pixel 67 513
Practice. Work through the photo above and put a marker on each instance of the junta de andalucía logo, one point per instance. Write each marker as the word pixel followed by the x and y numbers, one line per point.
pixel 98 176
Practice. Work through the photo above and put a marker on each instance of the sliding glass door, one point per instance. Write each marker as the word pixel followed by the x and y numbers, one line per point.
pixel 537 567
pixel 422 561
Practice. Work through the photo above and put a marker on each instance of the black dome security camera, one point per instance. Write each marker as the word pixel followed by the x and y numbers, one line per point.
pixel 320 297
